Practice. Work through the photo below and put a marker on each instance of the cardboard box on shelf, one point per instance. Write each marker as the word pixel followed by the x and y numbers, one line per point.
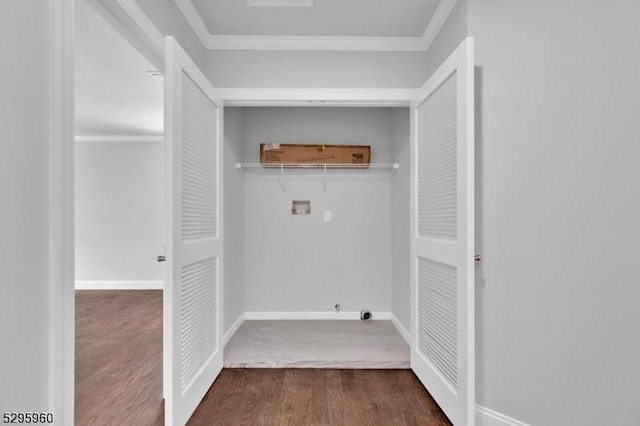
pixel 275 153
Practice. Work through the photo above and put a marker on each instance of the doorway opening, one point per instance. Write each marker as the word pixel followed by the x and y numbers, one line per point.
pixel 118 226
pixel 348 253
pixel 298 96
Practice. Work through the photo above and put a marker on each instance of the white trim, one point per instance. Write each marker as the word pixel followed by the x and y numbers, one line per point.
pixel 333 43
pixel 488 417
pixel 126 17
pixel 325 315
pixel 437 21
pixel 195 20
pixel 232 330
pixel 135 12
pixel 61 220
pixel 119 138
pixel 119 285
pixel 317 97
pixel 278 3
pixel 403 331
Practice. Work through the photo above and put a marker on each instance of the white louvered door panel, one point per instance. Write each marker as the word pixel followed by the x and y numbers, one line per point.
pixel 442 244
pixel 193 287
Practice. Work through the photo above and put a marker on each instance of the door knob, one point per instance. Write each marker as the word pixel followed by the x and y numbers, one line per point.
pixel 477 258
pixel 161 258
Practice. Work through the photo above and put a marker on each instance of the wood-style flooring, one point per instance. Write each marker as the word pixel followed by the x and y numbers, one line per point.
pixel 119 379
pixel 118 358
pixel 296 397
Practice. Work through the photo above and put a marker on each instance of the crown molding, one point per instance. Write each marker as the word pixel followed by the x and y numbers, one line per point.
pixel 131 8
pixel 316 97
pixel 436 22
pixel 134 25
pixel 244 42
pixel 119 138
pixel 195 20
pixel 278 3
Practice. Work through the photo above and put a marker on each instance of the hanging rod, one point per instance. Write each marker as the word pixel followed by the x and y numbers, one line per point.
pixel 391 166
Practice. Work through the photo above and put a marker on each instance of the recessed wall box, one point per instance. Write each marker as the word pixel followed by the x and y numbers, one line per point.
pixel 301 207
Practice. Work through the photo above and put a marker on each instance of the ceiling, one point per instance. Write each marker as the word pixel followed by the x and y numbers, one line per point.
pixel 114 94
pixel 382 25
pixel 340 18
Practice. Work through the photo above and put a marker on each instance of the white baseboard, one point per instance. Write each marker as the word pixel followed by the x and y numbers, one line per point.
pixel 488 417
pixel 344 315
pixel 119 285
pixel 232 330
pixel 403 331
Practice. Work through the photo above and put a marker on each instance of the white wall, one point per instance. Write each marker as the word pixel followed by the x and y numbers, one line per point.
pixel 326 69
pixel 400 229
pixel 301 263
pixel 119 205
pixel 25 32
pixel 559 202
pixel 319 69
pixel 233 217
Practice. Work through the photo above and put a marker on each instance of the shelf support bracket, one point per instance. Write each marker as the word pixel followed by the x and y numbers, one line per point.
pixel 281 181
pixel 324 179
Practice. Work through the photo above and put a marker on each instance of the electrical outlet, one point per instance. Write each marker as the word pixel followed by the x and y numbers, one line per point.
pixel 327 216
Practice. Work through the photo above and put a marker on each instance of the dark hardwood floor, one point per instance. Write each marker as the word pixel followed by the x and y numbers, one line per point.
pixel 317 397
pixel 119 379
pixel 118 358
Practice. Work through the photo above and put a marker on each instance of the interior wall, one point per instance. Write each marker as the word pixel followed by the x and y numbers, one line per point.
pixel 314 69
pixel 559 202
pixel 119 204
pixel 400 211
pixel 233 217
pixel 334 69
pixel 301 263
pixel 25 33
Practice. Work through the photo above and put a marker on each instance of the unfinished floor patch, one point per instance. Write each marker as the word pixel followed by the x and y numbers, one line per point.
pixel 316 344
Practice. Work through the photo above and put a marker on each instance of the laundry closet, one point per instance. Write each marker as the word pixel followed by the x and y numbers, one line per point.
pixel 349 251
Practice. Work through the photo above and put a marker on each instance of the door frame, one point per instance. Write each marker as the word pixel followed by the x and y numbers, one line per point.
pixel 61 214
pixel 128 19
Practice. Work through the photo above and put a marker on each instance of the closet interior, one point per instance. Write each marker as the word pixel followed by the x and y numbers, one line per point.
pixel 306 245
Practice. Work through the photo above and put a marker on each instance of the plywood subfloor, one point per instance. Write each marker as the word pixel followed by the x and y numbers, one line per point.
pixel 317 344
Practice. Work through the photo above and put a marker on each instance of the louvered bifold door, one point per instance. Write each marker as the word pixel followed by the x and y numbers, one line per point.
pixel 192 294
pixel 442 223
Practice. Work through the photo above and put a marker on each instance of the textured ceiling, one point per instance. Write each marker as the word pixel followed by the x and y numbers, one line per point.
pixel 364 18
